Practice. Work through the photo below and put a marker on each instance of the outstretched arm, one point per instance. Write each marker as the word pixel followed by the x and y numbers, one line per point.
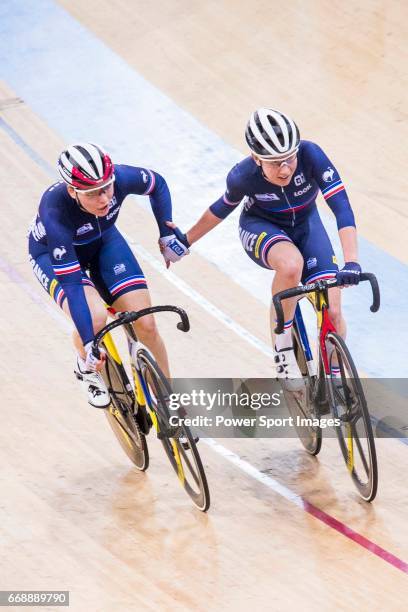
pixel 219 210
pixel 210 219
pixel 205 224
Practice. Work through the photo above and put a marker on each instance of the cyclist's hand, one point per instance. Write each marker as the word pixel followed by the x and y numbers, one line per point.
pixel 92 363
pixel 174 247
pixel 349 274
pixel 179 234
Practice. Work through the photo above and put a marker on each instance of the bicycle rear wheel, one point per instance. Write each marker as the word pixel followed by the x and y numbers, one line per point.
pixel 349 405
pixel 183 456
pixel 303 405
pixel 121 414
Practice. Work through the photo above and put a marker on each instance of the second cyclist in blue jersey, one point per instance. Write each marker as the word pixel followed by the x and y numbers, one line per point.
pixel 280 227
pixel 82 260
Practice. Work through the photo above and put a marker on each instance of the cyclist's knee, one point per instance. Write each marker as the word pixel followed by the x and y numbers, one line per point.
pixel 290 268
pixel 146 329
pixel 98 313
pixel 286 260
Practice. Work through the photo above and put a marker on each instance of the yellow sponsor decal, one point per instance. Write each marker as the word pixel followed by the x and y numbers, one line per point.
pixel 53 286
pixel 334 259
pixel 258 244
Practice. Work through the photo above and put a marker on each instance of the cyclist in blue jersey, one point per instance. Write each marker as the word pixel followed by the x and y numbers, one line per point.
pixel 280 227
pixel 82 260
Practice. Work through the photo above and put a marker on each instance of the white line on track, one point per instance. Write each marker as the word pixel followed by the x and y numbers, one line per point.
pixel 252 471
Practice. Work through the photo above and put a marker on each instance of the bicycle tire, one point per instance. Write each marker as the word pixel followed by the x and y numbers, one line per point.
pixel 186 462
pixel 348 403
pixel 121 416
pixel 309 435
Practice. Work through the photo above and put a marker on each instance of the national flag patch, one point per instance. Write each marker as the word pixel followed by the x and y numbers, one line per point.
pixel 333 189
pixel 68 268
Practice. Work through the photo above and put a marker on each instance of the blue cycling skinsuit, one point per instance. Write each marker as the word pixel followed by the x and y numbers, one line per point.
pixel 272 214
pixel 70 248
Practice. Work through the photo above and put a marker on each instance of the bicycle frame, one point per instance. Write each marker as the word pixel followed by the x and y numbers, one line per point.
pixel 151 390
pixel 317 293
pixel 141 392
pixel 319 302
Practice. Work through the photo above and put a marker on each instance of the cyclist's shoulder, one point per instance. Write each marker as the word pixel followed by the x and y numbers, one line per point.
pixel 243 172
pixel 128 178
pixel 308 147
pixel 54 203
pixel 311 152
pixel 55 193
pixel 125 171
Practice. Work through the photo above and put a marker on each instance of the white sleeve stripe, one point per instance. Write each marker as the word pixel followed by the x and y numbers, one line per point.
pixel 227 201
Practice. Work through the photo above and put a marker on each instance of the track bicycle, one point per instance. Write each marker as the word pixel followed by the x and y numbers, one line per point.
pixel 324 392
pixel 135 408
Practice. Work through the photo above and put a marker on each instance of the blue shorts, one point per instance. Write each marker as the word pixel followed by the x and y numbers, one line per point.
pixel 108 264
pixel 258 236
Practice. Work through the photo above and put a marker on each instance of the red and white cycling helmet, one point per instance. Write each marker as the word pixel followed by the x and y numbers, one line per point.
pixel 85 166
pixel 272 135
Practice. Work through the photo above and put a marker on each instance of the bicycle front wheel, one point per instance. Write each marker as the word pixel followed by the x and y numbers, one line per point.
pixel 348 405
pixel 178 442
pixel 120 413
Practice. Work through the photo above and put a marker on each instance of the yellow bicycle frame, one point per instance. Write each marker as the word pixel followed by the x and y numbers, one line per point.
pixel 141 400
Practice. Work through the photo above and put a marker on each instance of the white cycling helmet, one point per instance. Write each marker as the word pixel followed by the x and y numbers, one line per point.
pixel 271 135
pixel 85 166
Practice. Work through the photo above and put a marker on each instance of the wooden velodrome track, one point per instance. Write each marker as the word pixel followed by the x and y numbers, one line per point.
pixel 74 514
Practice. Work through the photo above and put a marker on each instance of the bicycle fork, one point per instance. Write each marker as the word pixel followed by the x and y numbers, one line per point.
pixel 325 328
pixel 140 388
